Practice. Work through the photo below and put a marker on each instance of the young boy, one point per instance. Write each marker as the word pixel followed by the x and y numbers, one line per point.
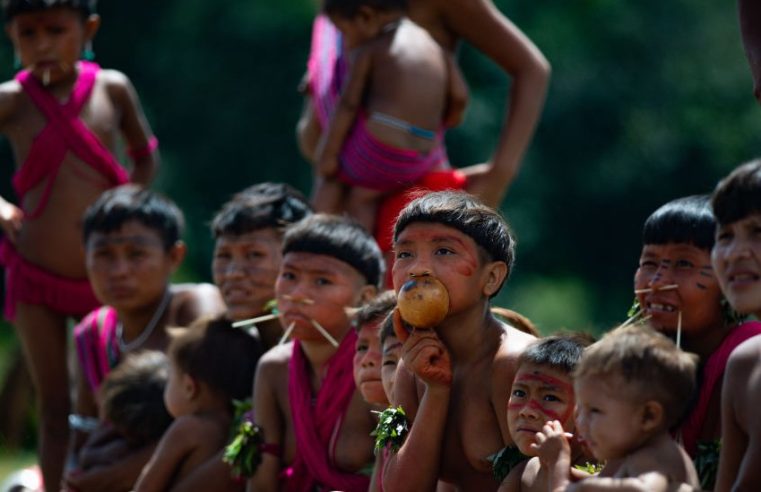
pixel 305 399
pixel 368 352
pixel 211 364
pixel 736 259
pixel 542 392
pixel 391 353
pixel 248 233
pixel 63 118
pixel 387 131
pixel 631 387
pixel 132 245
pixel 456 408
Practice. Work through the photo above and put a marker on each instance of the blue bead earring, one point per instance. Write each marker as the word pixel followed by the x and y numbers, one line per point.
pixel 88 53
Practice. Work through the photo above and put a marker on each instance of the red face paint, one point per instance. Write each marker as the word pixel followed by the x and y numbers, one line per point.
pixel 548 380
pixel 535 405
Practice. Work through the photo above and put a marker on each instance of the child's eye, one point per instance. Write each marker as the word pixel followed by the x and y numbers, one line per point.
pixel 361 347
pixel 684 264
pixel 254 255
pixel 551 398
pixel 518 393
pixel 647 264
pixel 389 362
pixel 323 281
pixel 136 254
pixel 402 254
pixel 222 255
pixel 287 276
pixel 444 251
pixel 724 236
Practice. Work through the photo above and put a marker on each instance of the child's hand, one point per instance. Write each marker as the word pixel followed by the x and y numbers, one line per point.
pixel 554 452
pixel 11 218
pixel 427 357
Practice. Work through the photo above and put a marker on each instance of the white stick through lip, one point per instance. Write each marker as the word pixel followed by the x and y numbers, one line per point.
pixel 679 331
pixel 287 334
pixel 253 321
pixel 658 289
pixel 325 333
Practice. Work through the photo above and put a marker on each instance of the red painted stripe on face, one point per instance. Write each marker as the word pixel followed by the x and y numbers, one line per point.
pixel 548 380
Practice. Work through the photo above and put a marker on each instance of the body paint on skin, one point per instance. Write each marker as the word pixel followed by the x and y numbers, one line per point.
pixel 548 380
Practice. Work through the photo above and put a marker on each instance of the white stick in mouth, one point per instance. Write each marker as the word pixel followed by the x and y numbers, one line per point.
pixel 325 333
pixel 46 77
pixel 253 321
pixel 636 319
pixel 287 334
pixel 656 289
pixel 679 331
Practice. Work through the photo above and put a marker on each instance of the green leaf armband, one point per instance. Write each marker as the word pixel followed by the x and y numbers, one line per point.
pixel 392 429
pixel 505 460
pixel 244 453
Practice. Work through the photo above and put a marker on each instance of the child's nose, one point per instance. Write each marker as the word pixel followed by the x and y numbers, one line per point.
pixel 529 410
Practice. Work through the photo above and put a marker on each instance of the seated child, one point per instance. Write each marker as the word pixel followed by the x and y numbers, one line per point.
pixel 630 388
pixel 64 118
pixel 368 355
pixel 737 261
pixel 316 424
pixel 132 247
pixel 132 397
pixel 542 391
pixel 211 364
pixel 386 132
pixel 452 388
pixel 248 233
pixel 678 291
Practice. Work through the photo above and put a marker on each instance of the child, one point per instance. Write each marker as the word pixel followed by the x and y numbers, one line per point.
pixel 248 233
pixel 132 245
pixel 677 289
pixel 542 392
pixel 64 160
pixel 456 408
pixel 386 132
pixel 211 364
pixel 368 355
pixel 630 387
pixel 132 397
pixel 305 399
pixel 737 261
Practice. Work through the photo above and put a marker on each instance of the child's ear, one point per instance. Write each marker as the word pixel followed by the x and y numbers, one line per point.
pixel 495 273
pixel 652 415
pixel 176 254
pixel 92 24
pixel 366 293
pixel 189 386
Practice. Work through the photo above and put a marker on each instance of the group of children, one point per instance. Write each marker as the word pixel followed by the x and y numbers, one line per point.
pixel 476 403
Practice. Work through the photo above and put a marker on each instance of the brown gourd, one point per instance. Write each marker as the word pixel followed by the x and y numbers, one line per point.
pixel 423 302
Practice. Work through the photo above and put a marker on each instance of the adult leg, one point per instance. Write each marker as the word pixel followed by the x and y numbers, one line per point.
pixel 43 338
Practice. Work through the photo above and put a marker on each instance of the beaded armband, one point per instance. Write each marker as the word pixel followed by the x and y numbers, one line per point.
pixel 505 460
pixel 142 153
pixel 392 429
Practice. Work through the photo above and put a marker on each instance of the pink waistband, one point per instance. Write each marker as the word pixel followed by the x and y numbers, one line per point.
pixel 29 284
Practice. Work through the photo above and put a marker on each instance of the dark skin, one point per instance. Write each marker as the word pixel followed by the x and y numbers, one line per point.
pixel 750 16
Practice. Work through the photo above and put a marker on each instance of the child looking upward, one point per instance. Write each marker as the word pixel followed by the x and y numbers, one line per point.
pixel 542 392
pixel 737 261
pixel 387 129
pixel 630 387
pixel 63 118
pixel 316 423
pixel 211 364
pixel 453 386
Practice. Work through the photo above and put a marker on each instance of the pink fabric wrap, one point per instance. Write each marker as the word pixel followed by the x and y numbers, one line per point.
pixel 97 345
pixel 326 69
pixel 314 426
pixel 29 284
pixel 713 374
pixel 370 163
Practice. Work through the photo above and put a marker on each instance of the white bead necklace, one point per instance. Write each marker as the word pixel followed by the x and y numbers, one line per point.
pixel 147 331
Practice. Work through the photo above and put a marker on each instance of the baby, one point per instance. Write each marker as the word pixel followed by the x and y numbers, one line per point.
pixel 630 387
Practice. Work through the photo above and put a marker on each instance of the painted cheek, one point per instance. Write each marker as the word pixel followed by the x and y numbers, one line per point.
pixel 551 414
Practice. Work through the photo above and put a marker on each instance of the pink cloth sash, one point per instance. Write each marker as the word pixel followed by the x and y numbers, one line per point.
pixel 713 374
pixel 326 69
pixel 97 345
pixel 316 426
pixel 64 132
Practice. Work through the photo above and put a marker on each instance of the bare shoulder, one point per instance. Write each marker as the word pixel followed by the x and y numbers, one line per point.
pixel 192 301
pixel 666 457
pixel 275 361
pixel 185 429
pixel 115 82
pixel 11 98
pixel 746 356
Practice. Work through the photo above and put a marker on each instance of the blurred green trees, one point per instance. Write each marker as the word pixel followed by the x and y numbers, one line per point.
pixel 649 100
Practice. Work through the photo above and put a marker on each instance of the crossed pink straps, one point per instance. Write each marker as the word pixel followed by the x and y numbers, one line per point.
pixel 64 132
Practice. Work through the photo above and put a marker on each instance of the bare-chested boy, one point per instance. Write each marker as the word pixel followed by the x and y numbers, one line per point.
pixel 456 382
pixel 631 387
pixel 736 260
pixel 316 424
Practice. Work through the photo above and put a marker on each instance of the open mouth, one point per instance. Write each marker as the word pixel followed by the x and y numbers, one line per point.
pixel 660 307
pixel 743 278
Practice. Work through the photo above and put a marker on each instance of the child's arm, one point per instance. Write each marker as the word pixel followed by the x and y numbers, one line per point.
pixel 175 446
pixel 345 113
pixel 269 417
pixel 416 466
pixel 141 143
pixel 480 23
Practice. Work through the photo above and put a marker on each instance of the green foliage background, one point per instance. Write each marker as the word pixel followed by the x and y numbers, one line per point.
pixel 649 101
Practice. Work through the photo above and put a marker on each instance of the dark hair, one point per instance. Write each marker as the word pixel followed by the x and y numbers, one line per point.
pixel 213 352
pixel 12 8
pixel 739 194
pixel 339 237
pixel 465 213
pixel 560 352
pixel 117 206
pixel 684 220
pixel 260 206
pixel 375 309
pixel 350 8
pixel 647 363
pixel 387 327
pixel 132 397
